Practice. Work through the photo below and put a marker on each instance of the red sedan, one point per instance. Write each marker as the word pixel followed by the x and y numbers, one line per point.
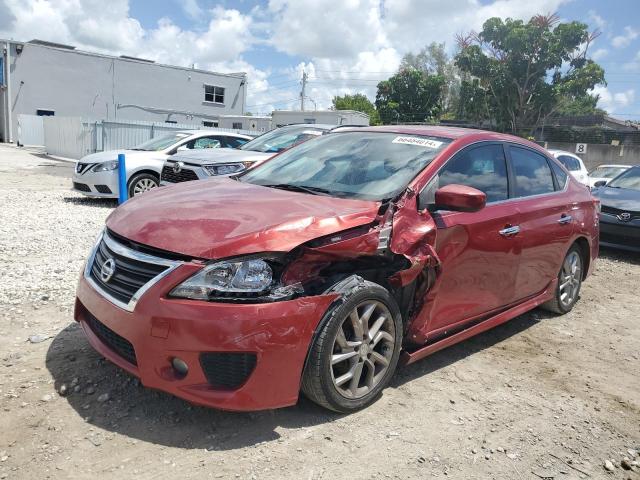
pixel 324 268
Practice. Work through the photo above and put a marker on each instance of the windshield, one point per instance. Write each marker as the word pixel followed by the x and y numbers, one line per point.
pixel 570 163
pixel 280 139
pixel 629 179
pixel 607 172
pixel 160 143
pixel 362 165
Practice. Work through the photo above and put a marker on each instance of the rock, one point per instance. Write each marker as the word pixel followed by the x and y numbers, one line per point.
pixel 90 391
pixel 512 456
pixel 39 338
pixel 626 464
pixel 103 398
pixel 608 466
pixel 63 390
pixel 474 450
pixel 46 398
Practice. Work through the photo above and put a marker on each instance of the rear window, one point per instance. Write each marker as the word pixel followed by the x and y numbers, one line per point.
pixel 570 163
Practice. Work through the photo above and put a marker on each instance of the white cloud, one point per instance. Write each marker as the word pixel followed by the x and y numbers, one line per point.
pixel 192 9
pixel 625 39
pixel 599 54
pixel 597 20
pixel 613 102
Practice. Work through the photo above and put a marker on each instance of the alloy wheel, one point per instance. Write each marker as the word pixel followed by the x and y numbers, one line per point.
pixel 362 349
pixel 143 185
pixel 570 278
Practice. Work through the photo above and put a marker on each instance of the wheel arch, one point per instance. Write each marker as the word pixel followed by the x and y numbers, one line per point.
pixel 142 170
pixel 585 252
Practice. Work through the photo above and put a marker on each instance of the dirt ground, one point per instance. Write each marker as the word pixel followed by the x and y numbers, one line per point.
pixel 540 397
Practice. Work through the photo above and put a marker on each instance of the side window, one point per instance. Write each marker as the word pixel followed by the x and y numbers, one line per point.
pixel 569 162
pixel 484 168
pixel 205 142
pixel 561 175
pixel 531 171
pixel 232 142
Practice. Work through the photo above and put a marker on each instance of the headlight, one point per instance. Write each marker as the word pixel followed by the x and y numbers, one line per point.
pixel 106 166
pixel 248 276
pixel 227 168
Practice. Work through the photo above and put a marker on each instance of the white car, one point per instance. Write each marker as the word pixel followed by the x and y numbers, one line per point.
pixel 96 175
pixel 606 173
pixel 574 164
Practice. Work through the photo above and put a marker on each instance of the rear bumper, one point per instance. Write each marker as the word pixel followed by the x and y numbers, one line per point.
pixel 617 234
pixel 160 329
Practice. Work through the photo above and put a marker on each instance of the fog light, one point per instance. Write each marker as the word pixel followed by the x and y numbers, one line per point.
pixel 180 366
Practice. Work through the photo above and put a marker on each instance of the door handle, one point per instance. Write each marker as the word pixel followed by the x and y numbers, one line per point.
pixel 509 231
pixel 564 219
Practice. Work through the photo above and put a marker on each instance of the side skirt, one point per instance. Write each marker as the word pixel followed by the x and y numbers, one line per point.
pixel 407 358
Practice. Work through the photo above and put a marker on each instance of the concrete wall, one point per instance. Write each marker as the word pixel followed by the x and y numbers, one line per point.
pixel 81 84
pixel 602 154
pixel 331 117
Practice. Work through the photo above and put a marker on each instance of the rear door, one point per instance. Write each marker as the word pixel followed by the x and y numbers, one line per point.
pixel 546 222
pixel 479 251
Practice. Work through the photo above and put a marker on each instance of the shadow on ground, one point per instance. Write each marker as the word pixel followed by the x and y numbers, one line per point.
pixel 156 417
pixel 92 202
pixel 620 255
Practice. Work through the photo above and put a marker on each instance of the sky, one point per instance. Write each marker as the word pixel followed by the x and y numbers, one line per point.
pixel 345 46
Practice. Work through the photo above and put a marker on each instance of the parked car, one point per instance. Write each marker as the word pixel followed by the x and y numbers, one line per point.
pixel 574 164
pixel 605 173
pixel 620 210
pixel 323 268
pixel 96 175
pixel 205 164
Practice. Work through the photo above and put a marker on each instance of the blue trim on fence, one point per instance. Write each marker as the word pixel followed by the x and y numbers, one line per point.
pixel 123 194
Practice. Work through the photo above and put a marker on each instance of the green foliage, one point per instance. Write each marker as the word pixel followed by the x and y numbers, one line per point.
pixel 359 103
pixel 528 71
pixel 585 105
pixel 411 95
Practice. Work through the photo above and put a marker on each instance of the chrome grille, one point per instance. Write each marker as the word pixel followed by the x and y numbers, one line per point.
pixel 130 272
pixel 184 175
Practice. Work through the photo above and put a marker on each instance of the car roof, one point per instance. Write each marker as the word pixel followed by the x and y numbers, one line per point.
pixel 554 152
pixel 615 165
pixel 319 126
pixel 207 131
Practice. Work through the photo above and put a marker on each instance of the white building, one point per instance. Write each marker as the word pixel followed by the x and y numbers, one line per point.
pixel 331 117
pixel 43 78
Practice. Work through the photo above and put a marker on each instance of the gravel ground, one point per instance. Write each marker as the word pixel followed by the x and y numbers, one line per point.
pixel 540 397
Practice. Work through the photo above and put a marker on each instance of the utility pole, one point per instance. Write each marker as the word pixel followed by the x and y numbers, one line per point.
pixel 302 92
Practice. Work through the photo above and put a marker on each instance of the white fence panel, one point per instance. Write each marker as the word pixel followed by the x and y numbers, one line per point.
pixel 30 130
pixel 68 137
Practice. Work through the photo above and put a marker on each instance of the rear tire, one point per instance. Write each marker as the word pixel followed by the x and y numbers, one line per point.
pixel 355 351
pixel 569 283
pixel 141 183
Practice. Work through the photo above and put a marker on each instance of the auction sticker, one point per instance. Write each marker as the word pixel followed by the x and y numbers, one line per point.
pixel 420 142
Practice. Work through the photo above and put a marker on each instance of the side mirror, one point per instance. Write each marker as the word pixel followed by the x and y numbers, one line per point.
pixel 460 198
pixel 600 183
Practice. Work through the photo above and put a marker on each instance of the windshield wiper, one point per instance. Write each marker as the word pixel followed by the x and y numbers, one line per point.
pixel 300 188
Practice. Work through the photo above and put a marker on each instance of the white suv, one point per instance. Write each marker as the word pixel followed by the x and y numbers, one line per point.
pixel 574 164
pixel 96 175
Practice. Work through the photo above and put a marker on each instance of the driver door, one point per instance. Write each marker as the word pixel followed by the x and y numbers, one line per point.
pixel 479 251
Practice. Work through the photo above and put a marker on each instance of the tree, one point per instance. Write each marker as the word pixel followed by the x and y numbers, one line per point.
pixel 434 60
pixel 359 103
pixel 529 70
pixel 410 95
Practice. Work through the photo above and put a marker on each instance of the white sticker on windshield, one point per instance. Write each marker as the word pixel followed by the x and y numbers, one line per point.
pixel 420 142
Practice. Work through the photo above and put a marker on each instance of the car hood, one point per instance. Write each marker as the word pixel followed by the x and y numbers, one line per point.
pixel 208 156
pixel 620 198
pixel 219 218
pixel 110 155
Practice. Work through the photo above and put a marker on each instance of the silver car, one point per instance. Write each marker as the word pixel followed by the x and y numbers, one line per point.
pixel 192 165
pixel 96 175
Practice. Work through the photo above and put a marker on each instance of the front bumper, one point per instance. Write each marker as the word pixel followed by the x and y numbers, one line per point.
pixel 619 234
pixel 96 184
pixel 161 328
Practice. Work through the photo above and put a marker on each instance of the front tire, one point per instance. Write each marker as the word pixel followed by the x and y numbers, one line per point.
pixel 142 182
pixel 355 351
pixel 569 283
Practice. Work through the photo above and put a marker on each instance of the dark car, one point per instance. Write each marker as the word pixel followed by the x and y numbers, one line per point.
pixel 323 268
pixel 620 215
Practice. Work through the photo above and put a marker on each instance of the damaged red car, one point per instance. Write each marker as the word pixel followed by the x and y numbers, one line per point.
pixel 326 267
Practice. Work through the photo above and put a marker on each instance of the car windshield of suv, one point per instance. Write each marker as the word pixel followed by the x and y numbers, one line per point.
pixel 607 172
pixel 629 179
pixel 361 165
pixel 160 143
pixel 280 139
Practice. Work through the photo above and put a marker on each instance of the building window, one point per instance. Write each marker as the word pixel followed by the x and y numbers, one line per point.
pixel 237 125
pixel 213 94
pixel 45 113
pixel 209 124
